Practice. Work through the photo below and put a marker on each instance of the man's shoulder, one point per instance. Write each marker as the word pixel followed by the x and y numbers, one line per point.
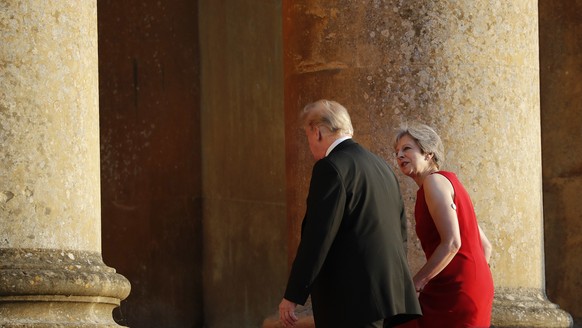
pixel 354 155
pixel 352 149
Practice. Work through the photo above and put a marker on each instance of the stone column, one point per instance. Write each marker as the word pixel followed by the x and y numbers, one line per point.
pixel 468 68
pixel 51 269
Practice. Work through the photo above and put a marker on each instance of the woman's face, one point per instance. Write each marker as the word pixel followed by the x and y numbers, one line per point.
pixel 410 158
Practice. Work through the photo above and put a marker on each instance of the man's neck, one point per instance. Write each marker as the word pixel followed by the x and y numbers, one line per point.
pixel 336 142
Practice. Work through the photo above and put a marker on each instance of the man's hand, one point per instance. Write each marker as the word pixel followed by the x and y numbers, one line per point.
pixel 287 313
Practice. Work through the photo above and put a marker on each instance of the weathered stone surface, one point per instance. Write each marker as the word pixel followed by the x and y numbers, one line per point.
pixel 151 188
pixel 243 161
pixel 51 272
pixel 42 288
pixel 527 307
pixel 561 122
pixel 49 125
pixel 58 272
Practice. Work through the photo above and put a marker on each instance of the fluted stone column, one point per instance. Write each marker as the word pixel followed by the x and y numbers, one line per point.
pixel 51 269
pixel 468 68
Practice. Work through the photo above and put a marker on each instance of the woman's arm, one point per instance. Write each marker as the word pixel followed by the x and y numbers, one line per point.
pixel 439 195
pixel 487 248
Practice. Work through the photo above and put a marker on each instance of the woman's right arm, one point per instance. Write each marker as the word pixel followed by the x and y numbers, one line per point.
pixel 487 248
pixel 439 194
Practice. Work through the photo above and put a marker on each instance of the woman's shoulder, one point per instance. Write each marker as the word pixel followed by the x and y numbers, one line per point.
pixel 445 173
pixel 439 181
pixel 451 176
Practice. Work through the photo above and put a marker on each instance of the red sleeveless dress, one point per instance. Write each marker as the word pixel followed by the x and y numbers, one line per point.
pixel 462 294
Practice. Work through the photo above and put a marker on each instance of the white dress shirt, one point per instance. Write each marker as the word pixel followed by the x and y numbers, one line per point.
pixel 335 143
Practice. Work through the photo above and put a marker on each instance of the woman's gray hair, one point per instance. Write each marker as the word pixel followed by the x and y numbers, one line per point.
pixel 426 138
pixel 330 114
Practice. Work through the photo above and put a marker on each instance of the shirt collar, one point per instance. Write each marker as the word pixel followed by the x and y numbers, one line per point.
pixel 335 143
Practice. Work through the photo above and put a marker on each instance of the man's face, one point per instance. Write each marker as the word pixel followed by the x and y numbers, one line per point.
pixel 315 142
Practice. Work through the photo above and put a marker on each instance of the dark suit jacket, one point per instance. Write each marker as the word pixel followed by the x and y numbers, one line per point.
pixel 351 257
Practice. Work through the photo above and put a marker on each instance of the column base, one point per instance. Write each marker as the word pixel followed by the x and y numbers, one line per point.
pixel 58 288
pixel 527 307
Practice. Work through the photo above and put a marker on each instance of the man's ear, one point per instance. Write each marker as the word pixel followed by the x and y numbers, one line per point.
pixel 319 134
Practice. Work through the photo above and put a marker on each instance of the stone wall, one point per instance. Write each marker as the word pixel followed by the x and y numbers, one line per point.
pixel 561 121
pixel 243 153
pixel 151 180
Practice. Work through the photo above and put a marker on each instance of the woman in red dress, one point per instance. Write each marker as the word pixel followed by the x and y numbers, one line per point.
pixel 455 285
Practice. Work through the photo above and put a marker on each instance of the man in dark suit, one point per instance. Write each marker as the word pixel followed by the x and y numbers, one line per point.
pixel 351 257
